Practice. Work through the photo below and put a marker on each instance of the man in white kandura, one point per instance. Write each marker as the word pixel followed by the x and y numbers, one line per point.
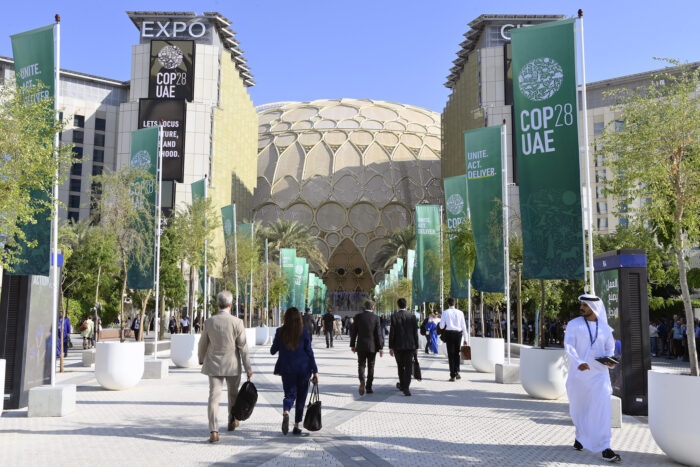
pixel 588 385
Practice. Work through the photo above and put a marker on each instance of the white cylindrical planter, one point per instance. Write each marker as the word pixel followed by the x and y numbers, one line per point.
pixel 543 372
pixel 272 330
pixel 674 414
pixel 251 337
pixel 183 350
pixel 486 353
pixel 261 335
pixel 119 365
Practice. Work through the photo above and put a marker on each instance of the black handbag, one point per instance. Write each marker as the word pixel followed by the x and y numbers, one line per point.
pixel 312 419
pixel 416 368
pixel 245 401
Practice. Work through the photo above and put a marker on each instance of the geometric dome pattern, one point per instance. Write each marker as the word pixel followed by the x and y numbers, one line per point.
pixel 352 170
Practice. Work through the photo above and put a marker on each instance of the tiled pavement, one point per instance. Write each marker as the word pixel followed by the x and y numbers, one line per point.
pixel 470 422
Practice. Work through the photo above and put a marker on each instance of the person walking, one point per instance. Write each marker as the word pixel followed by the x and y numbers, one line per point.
pixel 328 328
pixel 587 338
pixel 222 349
pixel 64 330
pixel 366 340
pixel 455 332
pixel 431 334
pixel 653 337
pixel 309 323
pixel 86 331
pixel 295 364
pixel 135 326
pixel 403 343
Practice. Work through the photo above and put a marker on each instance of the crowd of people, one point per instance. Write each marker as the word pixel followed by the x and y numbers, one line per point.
pixel 669 338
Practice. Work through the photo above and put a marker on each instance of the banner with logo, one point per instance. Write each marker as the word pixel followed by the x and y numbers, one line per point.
pixel 312 286
pixel 144 156
pixel 288 264
pixel 426 275
pixel 33 52
pixel 410 263
pixel 485 186
pixel 172 70
pixel 299 283
pixel 546 128
pixel 171 115
pixel 305 286
pixel 456 208
pixel 228 221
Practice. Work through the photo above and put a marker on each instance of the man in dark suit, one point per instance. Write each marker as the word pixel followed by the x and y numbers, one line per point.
pixel 308 321
pixel 328 321
pixel 403 343
pixel 366 339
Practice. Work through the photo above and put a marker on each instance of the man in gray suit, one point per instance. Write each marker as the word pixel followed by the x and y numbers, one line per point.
pixel 222 347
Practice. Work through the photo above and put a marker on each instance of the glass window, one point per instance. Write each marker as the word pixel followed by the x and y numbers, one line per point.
pixel 602 207
pixel 600 160
pixel 619 125
pixel 599 192
pixel 624 221
pixel 73 216
pixel 75 184
pixel 98 155
pixel 99 139
pixel 602 223
pixel 598 128
pixel 79 121
pixel 74 201
pixel 97 170
pixel 77 169
pixel 600 176
pixel 78 136
pixel 100 124
pixel 623 207
pixel 78 152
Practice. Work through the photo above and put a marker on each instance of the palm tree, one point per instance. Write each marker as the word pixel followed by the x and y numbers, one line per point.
pixel 291 234
pixel 396 246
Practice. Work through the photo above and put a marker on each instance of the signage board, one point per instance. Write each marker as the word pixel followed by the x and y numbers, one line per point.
pixel 171 115
pixel 171 73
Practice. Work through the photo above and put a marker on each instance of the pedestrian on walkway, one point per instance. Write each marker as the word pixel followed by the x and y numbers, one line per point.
pixel 431 333
pixel 328 328
pixel 86 331
pixel 454 333
pixel 222 348
pixel 295 364
pixel 135 326
pixel 309 323
pixel 403 343
pixel 588 384
pixel 366 340
pixel 64 330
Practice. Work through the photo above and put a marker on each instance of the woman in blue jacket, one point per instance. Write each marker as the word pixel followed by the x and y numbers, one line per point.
pixel 295 364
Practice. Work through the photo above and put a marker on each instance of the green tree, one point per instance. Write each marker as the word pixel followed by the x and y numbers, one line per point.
pixel 173 289
pixel 291 234
pixel 27 166
pixel 656 159
pixel 397 245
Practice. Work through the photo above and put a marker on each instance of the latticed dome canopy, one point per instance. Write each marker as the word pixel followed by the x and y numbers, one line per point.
pixel 352 170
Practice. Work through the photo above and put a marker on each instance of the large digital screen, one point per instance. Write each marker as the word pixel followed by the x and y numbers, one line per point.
pixel 171 73
pixel 171 115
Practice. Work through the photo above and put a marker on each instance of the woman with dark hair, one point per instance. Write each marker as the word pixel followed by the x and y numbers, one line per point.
pixel 295 364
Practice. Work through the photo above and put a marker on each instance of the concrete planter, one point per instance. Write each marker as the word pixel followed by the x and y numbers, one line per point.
pixel 251 337
pixel 674 415
pixel 486 353
pixel 543 372
pixel 119 365
pixel 261 335
pixel 183 350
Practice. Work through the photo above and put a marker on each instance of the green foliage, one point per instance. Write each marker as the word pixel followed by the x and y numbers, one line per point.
pixel 465 253
pixel 286 234
pixel 397 245
pixel 660 308
pixel 28 164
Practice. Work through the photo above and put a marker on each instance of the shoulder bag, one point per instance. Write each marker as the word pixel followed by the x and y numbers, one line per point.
pixel 312 419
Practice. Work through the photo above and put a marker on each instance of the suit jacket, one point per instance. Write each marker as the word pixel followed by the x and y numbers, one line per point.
pixel 308 321
pixel 328 322
pixel 293 362
pixel 222 346
pixel 403 334
pixel 366 335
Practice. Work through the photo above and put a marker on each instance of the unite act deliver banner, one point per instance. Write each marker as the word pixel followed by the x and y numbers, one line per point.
pixel 426 275
pixel 288 265
pixel 546 128
pixel 456 207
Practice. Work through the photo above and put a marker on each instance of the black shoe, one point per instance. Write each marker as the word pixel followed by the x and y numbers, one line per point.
pixel 296 431
pixel 362 389
pixel 285 423
pixel 398 386
pixel 327 346
pixel 452 379
pixel 610 456
pixel 370 391
pixel 407 392
pixel 457 376
pixel 578 446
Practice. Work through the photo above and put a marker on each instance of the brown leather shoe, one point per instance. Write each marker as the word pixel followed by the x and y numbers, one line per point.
pixel 233 426
pixel 214 437
pixel 362 389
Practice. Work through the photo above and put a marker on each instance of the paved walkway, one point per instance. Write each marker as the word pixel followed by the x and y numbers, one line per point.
pixel 163 422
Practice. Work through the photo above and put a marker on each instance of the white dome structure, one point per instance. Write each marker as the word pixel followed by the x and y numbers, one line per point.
pixel 352 170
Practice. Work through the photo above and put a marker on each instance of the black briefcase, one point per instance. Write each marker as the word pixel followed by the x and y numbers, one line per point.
pixel 312 419
pixel 245 401
pixel 416 368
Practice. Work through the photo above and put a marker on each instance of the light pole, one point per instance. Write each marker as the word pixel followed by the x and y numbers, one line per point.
pixel 519 268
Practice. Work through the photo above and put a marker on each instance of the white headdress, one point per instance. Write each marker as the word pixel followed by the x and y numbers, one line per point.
pixel 598 307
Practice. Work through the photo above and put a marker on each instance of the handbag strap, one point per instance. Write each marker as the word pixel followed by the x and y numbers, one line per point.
pixel 314 394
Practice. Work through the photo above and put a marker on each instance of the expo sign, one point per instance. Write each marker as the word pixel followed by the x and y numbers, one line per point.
pixel 172 29
pixel 505 29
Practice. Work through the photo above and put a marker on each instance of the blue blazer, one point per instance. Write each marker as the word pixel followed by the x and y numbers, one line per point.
pixel 298 361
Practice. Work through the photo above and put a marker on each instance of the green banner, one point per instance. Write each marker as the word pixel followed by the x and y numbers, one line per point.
pixel 144 156
pixel 456 210
pixel 312 292
pixel 33 52
pixel 228 221
pixel 426 275
pixel 546 128
pixel 198 189
pixel 485 186
pixel 288 264
pixel 298 282
pixel 410 263
pixel 304 287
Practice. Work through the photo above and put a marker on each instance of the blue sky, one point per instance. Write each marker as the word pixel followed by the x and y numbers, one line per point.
pixel 382 49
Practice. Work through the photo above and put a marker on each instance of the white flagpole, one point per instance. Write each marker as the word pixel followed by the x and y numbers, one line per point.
pixel 206 281
pixel 589 269
pixel 54 227
pixel 506 252
pixel 159 192
pixel 267 284
pixel 235 254
pixel 252 244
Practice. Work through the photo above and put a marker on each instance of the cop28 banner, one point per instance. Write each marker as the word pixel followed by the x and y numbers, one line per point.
pixel 485 185
pixel 426 275
pixel 33 52
pixel 545 109
pixel 456 208
pixel 144 156
pixel 288 264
